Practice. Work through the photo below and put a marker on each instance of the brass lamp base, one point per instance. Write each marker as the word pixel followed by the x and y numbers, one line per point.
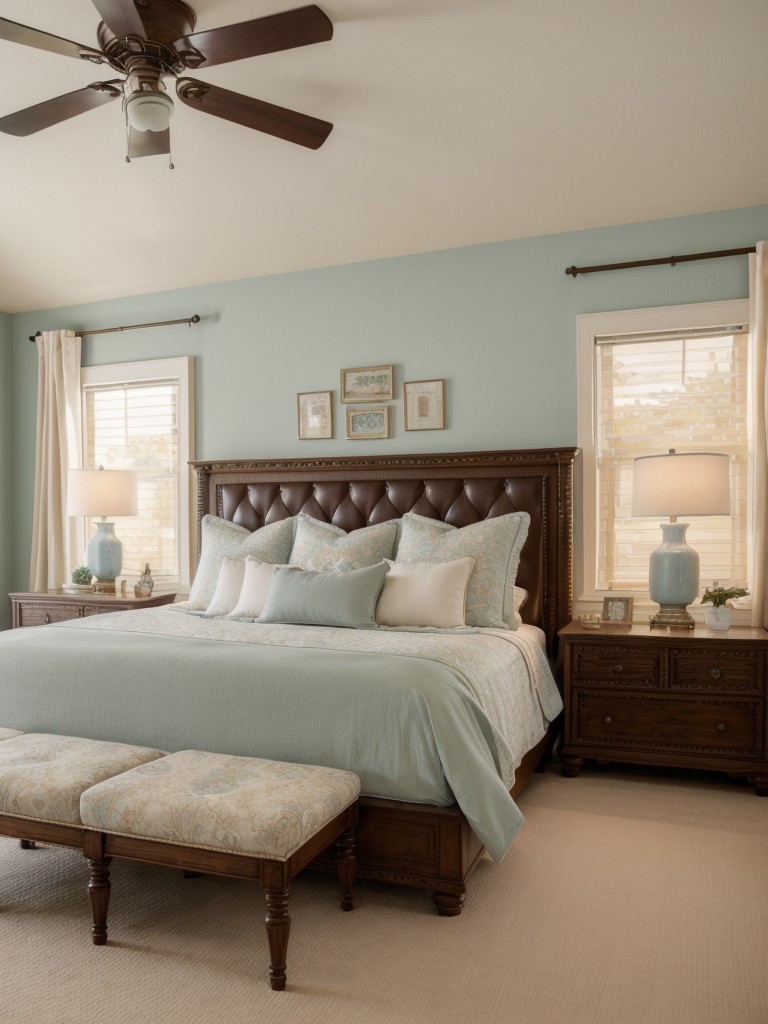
pixel 673 615
pixel 103 586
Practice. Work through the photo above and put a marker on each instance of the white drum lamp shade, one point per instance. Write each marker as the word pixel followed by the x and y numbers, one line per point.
pixel 103 492
pixel 678 484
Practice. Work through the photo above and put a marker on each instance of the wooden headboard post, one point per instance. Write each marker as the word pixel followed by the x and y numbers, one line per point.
pixel 458 488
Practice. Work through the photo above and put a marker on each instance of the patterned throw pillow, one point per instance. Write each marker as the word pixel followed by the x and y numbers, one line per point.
pixel 495 544
pixel 321 547
pixel 219 538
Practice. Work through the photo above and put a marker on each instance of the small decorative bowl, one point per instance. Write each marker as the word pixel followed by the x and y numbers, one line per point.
pixel 590 621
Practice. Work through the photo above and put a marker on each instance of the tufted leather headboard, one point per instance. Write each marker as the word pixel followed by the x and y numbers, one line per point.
pixel 459 488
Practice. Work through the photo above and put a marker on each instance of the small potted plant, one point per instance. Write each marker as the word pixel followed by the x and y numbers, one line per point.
pixel 719 615
pixel 81 581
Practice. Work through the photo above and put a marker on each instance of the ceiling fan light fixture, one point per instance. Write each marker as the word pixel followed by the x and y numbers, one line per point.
pixel 149 111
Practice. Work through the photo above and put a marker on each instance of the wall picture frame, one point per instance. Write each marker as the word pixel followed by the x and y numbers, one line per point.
pixel 367 424
pixel 367 384
pixel 424 404
pixel 617 611
pixel 314 411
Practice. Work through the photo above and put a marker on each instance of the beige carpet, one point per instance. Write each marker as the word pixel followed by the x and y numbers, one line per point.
pixel 627 898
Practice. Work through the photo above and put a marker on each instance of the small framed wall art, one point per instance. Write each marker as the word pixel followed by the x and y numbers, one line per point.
pixel 617 611
pixel 367 384
pixel 315 415
pixel 424 404
pixel 367 424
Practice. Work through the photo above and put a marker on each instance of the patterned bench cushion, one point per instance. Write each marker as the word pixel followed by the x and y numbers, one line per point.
pixel 42 776
pixel 7 734
pixel 241 805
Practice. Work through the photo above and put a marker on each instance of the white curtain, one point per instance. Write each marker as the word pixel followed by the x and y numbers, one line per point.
pixel 758 497
pixel 57 449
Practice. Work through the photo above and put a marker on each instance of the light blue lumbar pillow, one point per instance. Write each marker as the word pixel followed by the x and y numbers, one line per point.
pixel 325 598
pixel 495 544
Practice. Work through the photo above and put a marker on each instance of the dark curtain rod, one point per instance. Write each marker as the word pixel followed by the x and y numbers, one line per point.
pixel 671 260
pixel 134 327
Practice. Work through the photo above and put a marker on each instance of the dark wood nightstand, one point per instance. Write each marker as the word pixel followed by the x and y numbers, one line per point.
pixel 43 608
pixel 691 699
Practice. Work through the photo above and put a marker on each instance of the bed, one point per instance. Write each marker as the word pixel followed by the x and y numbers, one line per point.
pixel 423 715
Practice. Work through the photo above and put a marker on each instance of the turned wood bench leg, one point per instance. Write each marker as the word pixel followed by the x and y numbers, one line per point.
pixel 278 923
pixel 99 888
pixel 346 863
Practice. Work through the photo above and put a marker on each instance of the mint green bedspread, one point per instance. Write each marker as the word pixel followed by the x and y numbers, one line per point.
pixel 429 718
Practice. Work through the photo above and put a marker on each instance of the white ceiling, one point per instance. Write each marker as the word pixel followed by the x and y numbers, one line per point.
pixel 456 122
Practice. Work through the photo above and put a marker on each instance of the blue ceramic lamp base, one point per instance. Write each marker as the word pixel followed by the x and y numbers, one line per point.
pixel 105 558
pixel 674 577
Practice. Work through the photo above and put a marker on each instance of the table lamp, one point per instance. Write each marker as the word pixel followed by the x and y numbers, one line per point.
pixel 103 492
pixel 678 484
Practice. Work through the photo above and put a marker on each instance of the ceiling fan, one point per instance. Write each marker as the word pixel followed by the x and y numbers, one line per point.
pixel 149 41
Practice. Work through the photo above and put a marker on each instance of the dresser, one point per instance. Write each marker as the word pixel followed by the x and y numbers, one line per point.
pixel 683 698
pixel 43 608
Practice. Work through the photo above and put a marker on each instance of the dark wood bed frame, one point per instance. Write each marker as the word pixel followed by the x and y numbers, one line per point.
pixel 416 844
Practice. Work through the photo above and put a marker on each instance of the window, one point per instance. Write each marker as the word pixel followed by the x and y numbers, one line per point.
pixel 651 380
pixel 139 416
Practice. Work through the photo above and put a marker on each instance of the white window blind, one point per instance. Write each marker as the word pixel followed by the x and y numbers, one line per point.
pixel 138 420
pixel 685 390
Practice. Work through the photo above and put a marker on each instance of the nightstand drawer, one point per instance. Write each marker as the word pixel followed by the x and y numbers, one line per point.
pixel 41 613
pixel 617 665
pixel 723 669
pixel 673 724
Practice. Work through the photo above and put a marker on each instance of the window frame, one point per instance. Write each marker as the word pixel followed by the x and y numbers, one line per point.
pixel 145 371
pixel 629 321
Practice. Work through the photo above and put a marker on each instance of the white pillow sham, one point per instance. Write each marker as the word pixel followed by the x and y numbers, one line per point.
pixel 425 594
pixel 228 586
pixel 255 589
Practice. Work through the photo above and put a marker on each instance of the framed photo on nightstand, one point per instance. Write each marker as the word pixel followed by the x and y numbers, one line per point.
pixel 617 611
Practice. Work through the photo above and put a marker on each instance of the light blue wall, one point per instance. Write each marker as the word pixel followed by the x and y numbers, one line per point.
pixel 496 321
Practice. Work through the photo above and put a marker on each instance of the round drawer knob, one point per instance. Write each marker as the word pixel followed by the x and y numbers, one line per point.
pixel 720 727
pixel 607 719
pixel 715 673
pixel 47 618
pixel 618 669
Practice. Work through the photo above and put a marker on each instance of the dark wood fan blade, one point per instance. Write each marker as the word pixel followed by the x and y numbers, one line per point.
pixel 148 143
pixel 284 31
pixel 43 115
pixel 16 33
pixel 121 17
pixel 262 117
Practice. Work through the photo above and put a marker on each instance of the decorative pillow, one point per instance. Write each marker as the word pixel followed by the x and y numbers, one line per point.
pixel 495 544
pixel 257 580
pixel 325 598
pixel 322 546
pixel 228 586
pixel 219 538
pixel 519 597
pixel 425 594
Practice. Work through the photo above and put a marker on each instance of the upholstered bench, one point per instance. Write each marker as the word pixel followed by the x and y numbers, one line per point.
pixel 42 777
pixel 220 814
